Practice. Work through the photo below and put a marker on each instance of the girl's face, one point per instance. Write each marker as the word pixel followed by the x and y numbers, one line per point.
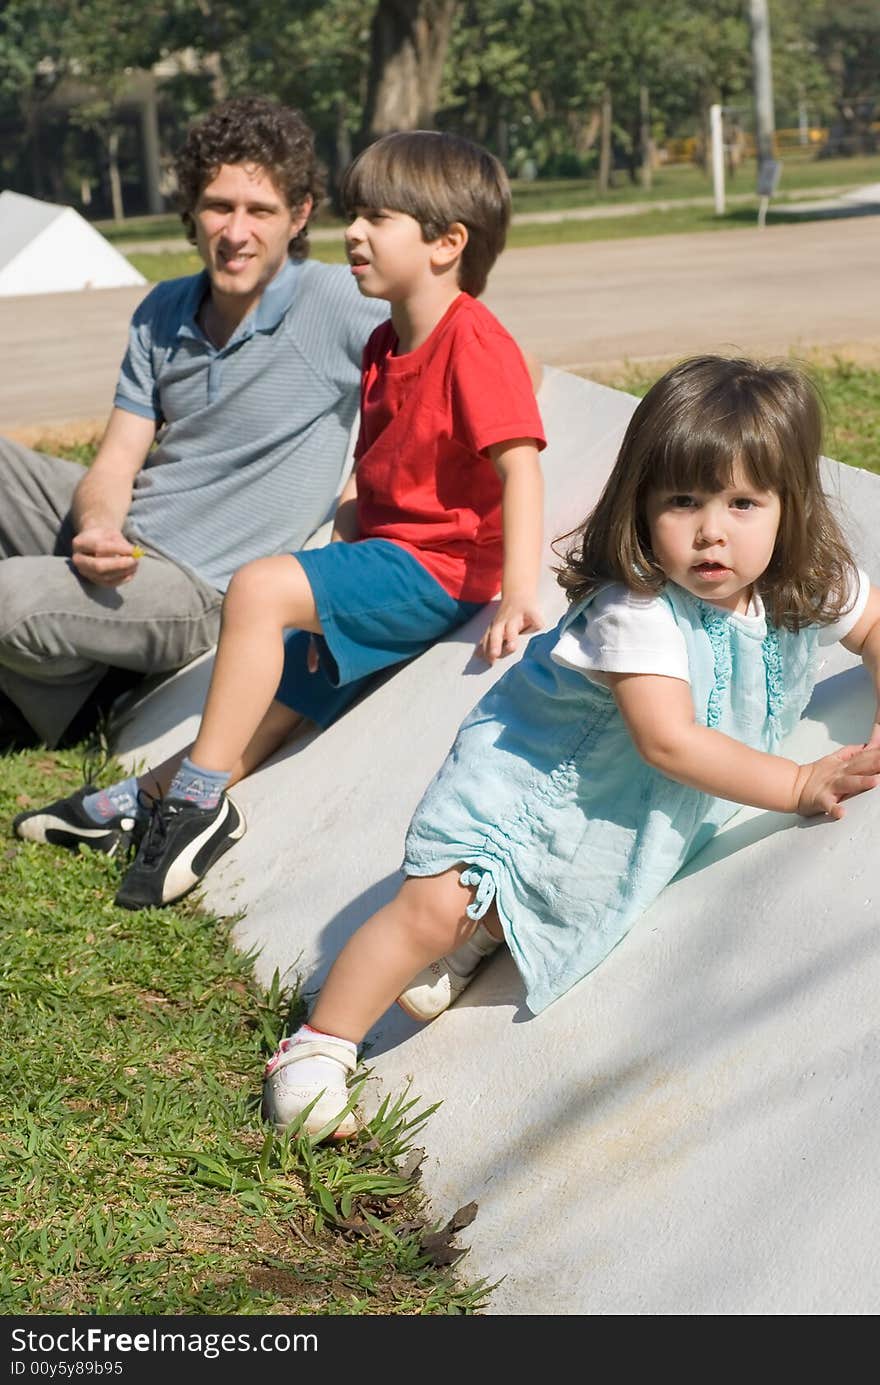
pixel 715 544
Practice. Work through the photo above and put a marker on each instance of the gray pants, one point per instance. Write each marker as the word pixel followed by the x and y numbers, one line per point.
pixel 59 634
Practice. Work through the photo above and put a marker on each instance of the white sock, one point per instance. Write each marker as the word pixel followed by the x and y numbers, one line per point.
pixel 317 1071
pixel 467 958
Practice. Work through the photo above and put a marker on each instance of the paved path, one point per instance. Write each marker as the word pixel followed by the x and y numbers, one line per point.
pixel 581 307
pixel 601 212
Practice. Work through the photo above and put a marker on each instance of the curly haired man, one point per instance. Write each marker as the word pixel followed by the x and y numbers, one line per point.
pixel 226 441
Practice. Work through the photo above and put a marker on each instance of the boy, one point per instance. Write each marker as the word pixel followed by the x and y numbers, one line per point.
pixel 443 506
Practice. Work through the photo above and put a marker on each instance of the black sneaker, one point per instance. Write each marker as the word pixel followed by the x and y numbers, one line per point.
pixel 179 846
pixel 66 823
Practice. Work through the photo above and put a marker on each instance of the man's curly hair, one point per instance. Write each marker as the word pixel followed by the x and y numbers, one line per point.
pixel 251 130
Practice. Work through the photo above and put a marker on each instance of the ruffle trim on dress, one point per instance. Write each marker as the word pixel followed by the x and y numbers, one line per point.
pixel 717 629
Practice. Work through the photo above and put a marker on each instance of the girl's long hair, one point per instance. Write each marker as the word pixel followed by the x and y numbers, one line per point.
pixel 701 420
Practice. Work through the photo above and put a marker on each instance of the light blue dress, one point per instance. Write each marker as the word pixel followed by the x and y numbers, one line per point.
pixel 559 820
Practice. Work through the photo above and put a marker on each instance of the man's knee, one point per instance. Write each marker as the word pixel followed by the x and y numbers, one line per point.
pixel 27 630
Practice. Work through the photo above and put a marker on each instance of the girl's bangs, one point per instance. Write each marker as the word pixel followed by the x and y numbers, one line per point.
pixel 707 455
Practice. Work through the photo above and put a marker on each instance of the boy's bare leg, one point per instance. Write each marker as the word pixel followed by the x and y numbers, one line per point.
pixel 426 920
pixel 277 726
pixel 264 598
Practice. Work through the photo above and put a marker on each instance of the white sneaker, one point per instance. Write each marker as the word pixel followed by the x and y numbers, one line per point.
pixel 438 985
pixel 284 1099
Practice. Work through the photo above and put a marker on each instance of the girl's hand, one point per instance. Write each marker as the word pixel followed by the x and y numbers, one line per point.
pixel 874 737
pixel 823 785
pixel 514 617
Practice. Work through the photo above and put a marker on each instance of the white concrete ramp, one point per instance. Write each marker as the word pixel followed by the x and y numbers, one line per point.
pixel 693 1129
pixel 47 248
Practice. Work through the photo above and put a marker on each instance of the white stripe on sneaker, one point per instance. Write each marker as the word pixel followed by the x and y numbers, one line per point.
pixel 47 823
pixel 181 877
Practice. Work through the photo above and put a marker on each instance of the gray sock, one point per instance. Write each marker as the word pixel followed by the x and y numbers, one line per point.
pixel 119 798
pixel 202 787
pixel 466 958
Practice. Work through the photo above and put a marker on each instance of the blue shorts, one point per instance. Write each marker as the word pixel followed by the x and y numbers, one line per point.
pixel 378 607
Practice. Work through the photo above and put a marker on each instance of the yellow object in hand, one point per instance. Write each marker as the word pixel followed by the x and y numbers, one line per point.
pixel 137 551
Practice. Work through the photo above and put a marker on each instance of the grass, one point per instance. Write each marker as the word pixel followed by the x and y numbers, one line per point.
pixel 136 1176
pixel 850 391
pixel 801 171
pixel 159 265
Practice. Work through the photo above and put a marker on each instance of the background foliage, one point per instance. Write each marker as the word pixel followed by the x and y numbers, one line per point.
pixel 526 77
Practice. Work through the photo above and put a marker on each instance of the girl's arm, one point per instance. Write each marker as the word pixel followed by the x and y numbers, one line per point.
pixel 522 518
pixel 659 715
pixel 864 639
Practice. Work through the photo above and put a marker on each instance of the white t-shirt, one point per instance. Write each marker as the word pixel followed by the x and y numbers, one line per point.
pixel 626 633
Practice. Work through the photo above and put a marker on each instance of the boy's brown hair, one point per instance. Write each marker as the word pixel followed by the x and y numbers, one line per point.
pixel 695 425
pixel 438 179
pixel 251 130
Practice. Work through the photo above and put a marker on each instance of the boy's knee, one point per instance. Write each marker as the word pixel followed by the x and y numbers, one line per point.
pixel 259 588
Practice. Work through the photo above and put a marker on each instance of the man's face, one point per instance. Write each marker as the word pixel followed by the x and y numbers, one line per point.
pixel 243 227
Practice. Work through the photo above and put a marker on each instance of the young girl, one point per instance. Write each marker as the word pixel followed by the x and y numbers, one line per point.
pixel 701 588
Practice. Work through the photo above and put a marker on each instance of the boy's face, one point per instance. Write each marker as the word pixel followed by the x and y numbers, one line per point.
pixel 243 227
pixel 389 257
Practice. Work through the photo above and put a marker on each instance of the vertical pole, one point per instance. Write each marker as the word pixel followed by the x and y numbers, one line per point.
pixel 803 123
pixel 762 76
pixel 717 138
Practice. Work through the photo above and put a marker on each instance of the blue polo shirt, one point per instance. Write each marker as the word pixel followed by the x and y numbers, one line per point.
pixel 252 437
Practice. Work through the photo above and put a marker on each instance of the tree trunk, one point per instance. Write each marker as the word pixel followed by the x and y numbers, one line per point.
pixel 409 41
pixel 605 143
pixel 646 143
pixel 115 180
pixel 343 139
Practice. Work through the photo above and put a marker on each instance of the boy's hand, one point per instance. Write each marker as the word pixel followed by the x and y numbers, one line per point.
pixel 515 616
pixel 823 785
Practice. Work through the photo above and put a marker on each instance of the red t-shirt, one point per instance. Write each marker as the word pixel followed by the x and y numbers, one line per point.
pixel 423 477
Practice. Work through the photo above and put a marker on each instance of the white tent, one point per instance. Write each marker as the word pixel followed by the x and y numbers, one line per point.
pixel 46 248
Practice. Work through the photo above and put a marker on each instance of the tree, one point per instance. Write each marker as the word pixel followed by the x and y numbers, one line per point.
pixel 314 56
pixel 408 44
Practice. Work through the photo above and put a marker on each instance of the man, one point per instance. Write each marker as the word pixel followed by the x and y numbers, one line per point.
pixel 226 441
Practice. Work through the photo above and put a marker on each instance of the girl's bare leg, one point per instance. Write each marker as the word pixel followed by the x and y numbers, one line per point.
pixel 427 920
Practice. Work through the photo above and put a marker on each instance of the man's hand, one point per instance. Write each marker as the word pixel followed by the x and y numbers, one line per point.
pixel 515 616
pixel 823 785
pixel 105 557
